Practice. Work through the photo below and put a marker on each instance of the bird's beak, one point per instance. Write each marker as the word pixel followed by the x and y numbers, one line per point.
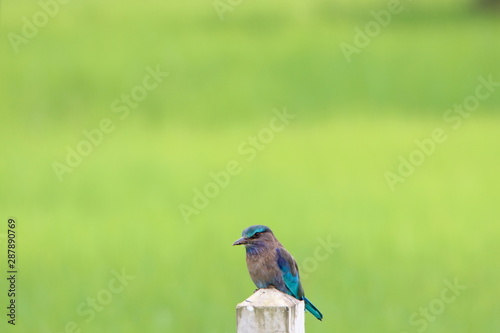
pixel 241 241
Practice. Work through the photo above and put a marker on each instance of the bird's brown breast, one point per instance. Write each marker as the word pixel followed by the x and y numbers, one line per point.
pixel 263 267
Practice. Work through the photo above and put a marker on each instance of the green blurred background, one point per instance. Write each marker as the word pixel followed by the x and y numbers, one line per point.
pixel 321 178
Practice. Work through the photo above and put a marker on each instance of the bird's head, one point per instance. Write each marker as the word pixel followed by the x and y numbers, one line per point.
pixel 255 236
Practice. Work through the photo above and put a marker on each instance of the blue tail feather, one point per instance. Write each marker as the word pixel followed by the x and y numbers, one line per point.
pixel 311 308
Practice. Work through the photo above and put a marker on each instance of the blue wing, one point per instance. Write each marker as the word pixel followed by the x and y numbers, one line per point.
pixel 290 273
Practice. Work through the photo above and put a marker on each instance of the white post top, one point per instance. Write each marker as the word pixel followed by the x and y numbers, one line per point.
pixel 270 311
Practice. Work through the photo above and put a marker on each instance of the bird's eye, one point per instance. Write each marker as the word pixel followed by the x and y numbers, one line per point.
pixel 257 234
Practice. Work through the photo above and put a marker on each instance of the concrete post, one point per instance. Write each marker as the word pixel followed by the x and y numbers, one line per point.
pixel 270 311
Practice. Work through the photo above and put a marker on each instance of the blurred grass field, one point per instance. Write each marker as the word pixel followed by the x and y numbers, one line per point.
pixel 322 177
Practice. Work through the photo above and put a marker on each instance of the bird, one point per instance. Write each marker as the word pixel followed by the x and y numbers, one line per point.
pixel 270 265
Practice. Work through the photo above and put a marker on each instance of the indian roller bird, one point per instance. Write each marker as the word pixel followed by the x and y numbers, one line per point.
pixel 269 264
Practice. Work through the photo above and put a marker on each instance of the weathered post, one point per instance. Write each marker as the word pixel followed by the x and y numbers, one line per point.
pixel 270 311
